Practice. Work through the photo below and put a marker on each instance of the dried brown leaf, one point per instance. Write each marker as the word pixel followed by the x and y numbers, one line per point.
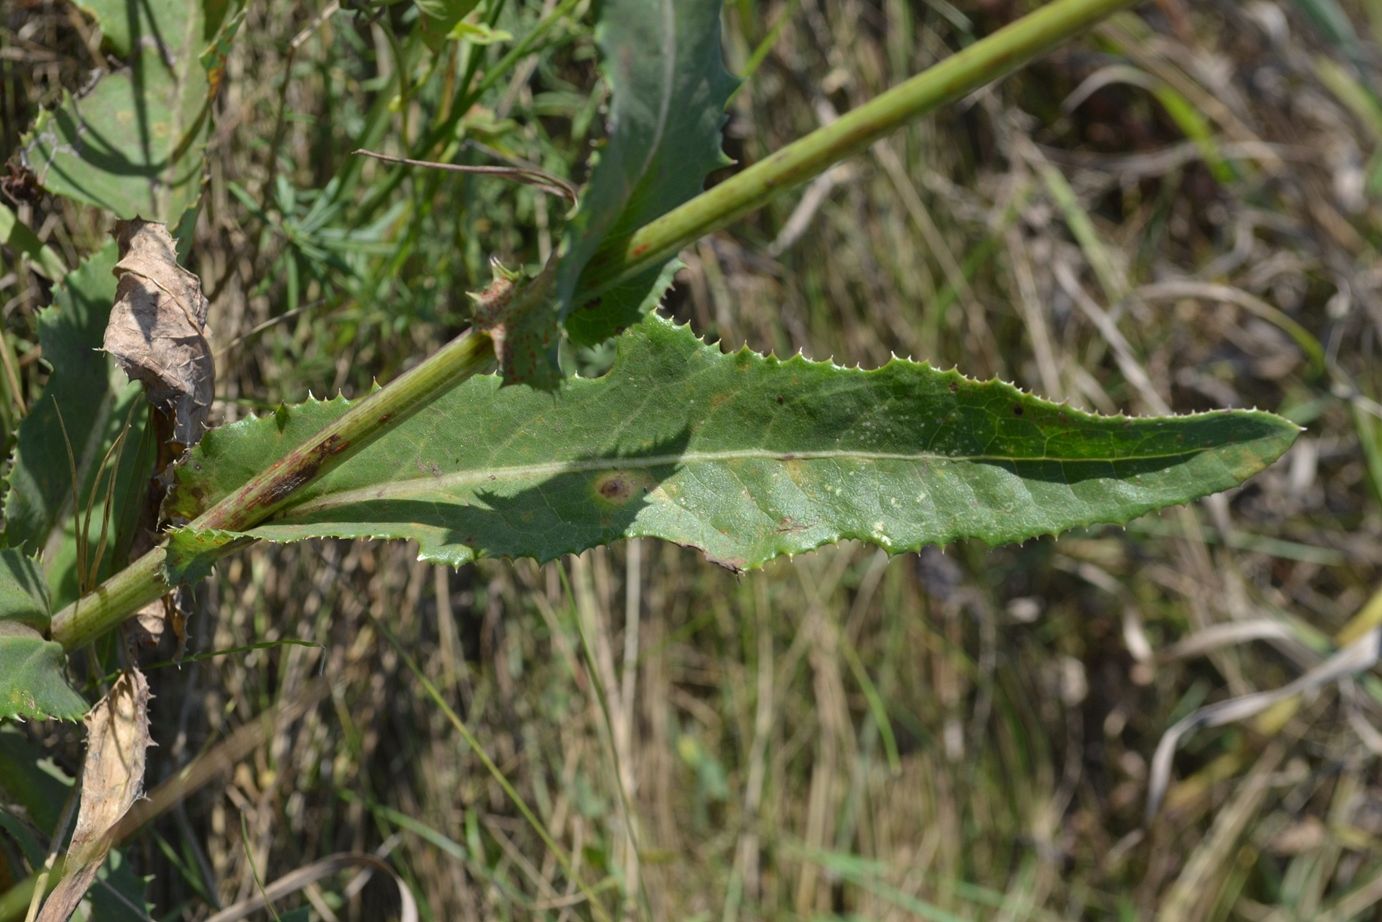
pixel 152 623
pixel 157 329
pixel 112 778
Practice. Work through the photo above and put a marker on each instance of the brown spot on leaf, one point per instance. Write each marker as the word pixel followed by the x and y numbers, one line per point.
pixel 615 488
pixel 618 487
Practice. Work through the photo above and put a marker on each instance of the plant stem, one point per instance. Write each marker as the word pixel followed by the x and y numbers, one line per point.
pixel 983 62
pixel 112 602
pixel 274 487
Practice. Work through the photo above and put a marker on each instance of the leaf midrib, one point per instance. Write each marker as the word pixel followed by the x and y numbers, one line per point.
pixel 431 484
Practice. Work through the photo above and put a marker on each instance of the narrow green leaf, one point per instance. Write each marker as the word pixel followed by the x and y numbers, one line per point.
pixel 440 16
pixel 669 89
pixel 91 400
pixel 744 456
pixel 33 682
pixel 478 34
pixel 16 235
pixel 133 145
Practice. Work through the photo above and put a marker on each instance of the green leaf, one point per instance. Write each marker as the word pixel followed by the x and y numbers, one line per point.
pixel 20 833
pixel 133 145
pixel 669 88
pixel 439 16
pixel 744 456
pixel 23 594
pixel 90 400
pixel 18 237
pixel 124 23
pixel 33 682
pixel 37 789
pixel 478 33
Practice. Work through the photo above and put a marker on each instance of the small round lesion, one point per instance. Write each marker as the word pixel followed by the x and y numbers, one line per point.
pixel 620 486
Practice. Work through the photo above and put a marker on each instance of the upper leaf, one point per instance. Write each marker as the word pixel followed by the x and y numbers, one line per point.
pixel 133 145
pixel 33 683
pixel 85 406
pixel 743 456
pixel 669 88
pixel 23 595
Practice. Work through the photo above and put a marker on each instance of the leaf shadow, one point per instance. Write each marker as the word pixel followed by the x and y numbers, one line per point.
pixel 593 501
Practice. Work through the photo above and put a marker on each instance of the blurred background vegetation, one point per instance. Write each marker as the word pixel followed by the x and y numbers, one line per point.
pixel 1179 211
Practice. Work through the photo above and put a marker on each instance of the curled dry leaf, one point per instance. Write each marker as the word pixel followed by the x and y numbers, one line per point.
pixel 157 329
pixel 112 777
pixel 154 621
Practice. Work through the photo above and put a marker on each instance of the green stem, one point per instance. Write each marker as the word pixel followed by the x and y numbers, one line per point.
pixel 272 488
pixel 275 487
pixel 110 603
pixel 981 63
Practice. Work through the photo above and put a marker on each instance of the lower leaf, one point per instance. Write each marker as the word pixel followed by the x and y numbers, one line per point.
pixel 743 456
pixel 33 678
pixel 33 684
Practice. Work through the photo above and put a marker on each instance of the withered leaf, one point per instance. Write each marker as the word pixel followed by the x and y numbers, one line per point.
pixel 112 777
pixel 155 621
pixel 522 322
pixel 157 329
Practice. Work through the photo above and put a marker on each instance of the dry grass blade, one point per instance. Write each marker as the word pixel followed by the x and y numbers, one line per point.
pixel 112 777
pixel 1192 896
pixel 222 758
pixel 294 881
pixel 531 176
pixel 1362 654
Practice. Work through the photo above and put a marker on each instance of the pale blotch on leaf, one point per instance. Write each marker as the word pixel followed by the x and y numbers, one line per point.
pixel 157 329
